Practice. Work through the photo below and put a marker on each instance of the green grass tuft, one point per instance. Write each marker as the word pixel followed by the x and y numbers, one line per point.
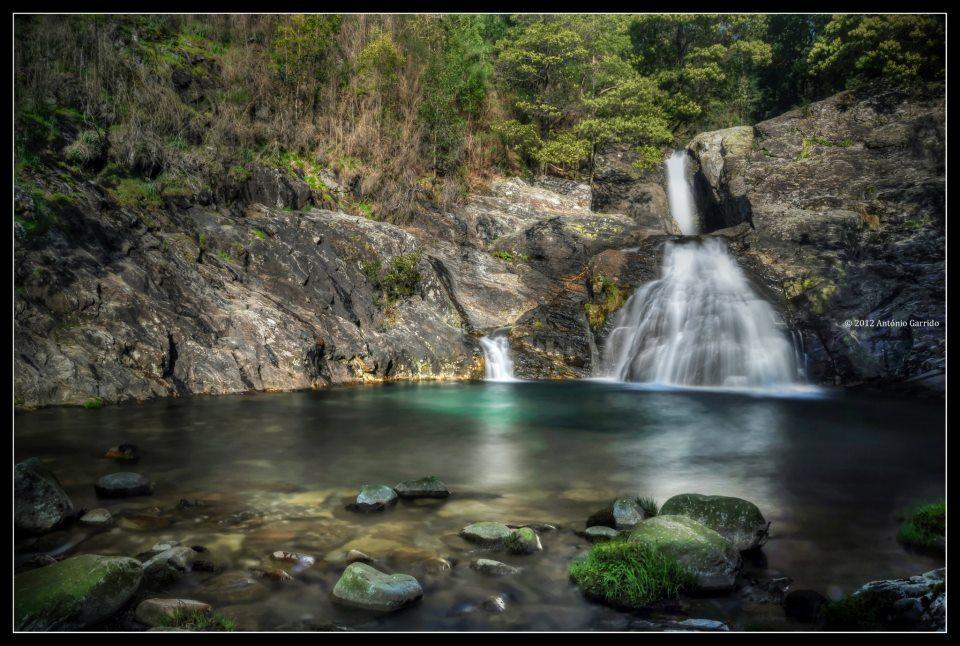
pixel 93 403
pixel 200 621
pixel 649 506
pixel 631 575
pixel 924 527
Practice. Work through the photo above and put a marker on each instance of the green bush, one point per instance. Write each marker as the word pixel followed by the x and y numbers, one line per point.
pixel 924 527
pixel 93 403
pixel 632 575
pixel 399 279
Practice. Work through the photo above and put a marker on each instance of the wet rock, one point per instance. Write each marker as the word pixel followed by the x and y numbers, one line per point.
pixel 75 593
pixel 917 602
pixel 361 586
pixel 429 487
pixel 163 612
pixel 487 533
pixel 495 604
pixel 143 522
pixel 701 625
pixel 626 513
pixel 375 498
pixel 805 605
pixel 523 541
pixel 356 556
pixel 712 559
pixel 599 533
pixel 495 568
pixel 123 485
pixel 40 503
pixel 276 574
pixel 737 520
pixel 168 566
pixel 99 517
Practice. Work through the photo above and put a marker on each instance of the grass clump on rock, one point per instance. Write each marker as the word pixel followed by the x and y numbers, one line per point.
pixel 924 527
pixel 201 621
pixel 630 575
pixel 866 610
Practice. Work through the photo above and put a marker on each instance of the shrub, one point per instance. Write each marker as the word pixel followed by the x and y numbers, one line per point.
pixel 87 148
pixel 399 279
pixel 93 403
pixel 631 575
pixel 924 527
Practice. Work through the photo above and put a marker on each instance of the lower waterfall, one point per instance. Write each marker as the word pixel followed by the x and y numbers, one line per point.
pixel 498 366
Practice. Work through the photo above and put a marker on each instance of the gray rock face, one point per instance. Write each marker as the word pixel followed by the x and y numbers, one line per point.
pixel 846 199
pixel 361 586
pixel 75 593
pixel 125 484
pixel 618 187
pixel 162 612
pixel 919 601
pixel 429 487
pixel 736 519
pixel 40 503
pixel 375 497
pixel 486 533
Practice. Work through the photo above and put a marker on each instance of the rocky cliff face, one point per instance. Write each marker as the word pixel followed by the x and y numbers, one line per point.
pixel 837 209
pixel 842 211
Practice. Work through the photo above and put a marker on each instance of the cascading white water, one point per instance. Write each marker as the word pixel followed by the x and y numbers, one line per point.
pixel 498 366
pixel 700 323
pixel 681 197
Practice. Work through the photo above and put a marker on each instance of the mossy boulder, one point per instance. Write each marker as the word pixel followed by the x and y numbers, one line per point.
pixel 41 503
pixel 736 519
pixel 75 593
pixel 523 541
pixel 486 533
pixel 429 487
pixel 362 586
pixel 711 558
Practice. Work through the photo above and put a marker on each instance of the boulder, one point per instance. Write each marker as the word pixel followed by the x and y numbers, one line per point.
pixel 123 485
pixel 486 533
pixel 75 593
pixel 99 517
pixel 361 586
pixel 737 520
pixel 41 504
pixel 168 566
pixel 495 568
pixel 523 541
pixel 375 497
pixel 626 513
pixel 710 557
pixel 429 487
pixel 164 612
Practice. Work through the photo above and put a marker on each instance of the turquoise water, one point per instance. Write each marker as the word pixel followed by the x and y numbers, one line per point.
pixel 274 471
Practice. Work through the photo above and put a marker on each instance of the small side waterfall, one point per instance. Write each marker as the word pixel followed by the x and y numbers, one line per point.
pixel 700 323
pixel 681 197
pixel 498 366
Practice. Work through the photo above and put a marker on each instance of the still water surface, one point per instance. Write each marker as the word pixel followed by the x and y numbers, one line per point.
pixel 274 471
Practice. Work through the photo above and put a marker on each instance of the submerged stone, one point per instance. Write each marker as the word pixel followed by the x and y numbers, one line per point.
pixel 362 586
pixel 41 504
pixel 711 558
pixel 495 568
pixel 375 497
pixel 736 519
pixel 168 566
pixel 75 593
pixel 123 485
pixel 486 533
pixel 234 588
pixel 429 487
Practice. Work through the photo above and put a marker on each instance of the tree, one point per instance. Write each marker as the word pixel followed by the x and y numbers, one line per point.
pixel 299 51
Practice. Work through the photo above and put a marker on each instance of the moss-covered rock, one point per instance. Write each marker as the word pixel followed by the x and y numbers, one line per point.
pixel 737 520
pixel 75 593
pixel 362 586
pixel 41 503
pixel 523 541
pixel 711 558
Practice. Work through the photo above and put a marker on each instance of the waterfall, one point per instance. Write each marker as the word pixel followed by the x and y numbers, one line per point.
pixel 498 366
pixel 700 323
pixel 679 193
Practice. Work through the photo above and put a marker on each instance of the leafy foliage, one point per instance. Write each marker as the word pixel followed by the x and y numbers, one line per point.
pixel 924 527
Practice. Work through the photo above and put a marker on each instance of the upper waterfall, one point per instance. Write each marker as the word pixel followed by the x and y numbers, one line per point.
pixel 682 205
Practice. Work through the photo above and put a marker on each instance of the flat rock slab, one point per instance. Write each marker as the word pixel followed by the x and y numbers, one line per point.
pixel 41 503
pixel 123 485
pixel 429 487
pixel 495 568
pixel 486 533
pixel 361 586
pixel 375 497
pixel 75 593
pixel 166 612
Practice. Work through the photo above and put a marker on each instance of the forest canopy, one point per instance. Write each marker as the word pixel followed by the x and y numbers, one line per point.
pixel 426 104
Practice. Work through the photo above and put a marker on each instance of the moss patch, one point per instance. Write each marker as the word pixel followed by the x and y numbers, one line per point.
pixel 607 297
pixel 867 610
pixel 924 527
pixel 630 575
